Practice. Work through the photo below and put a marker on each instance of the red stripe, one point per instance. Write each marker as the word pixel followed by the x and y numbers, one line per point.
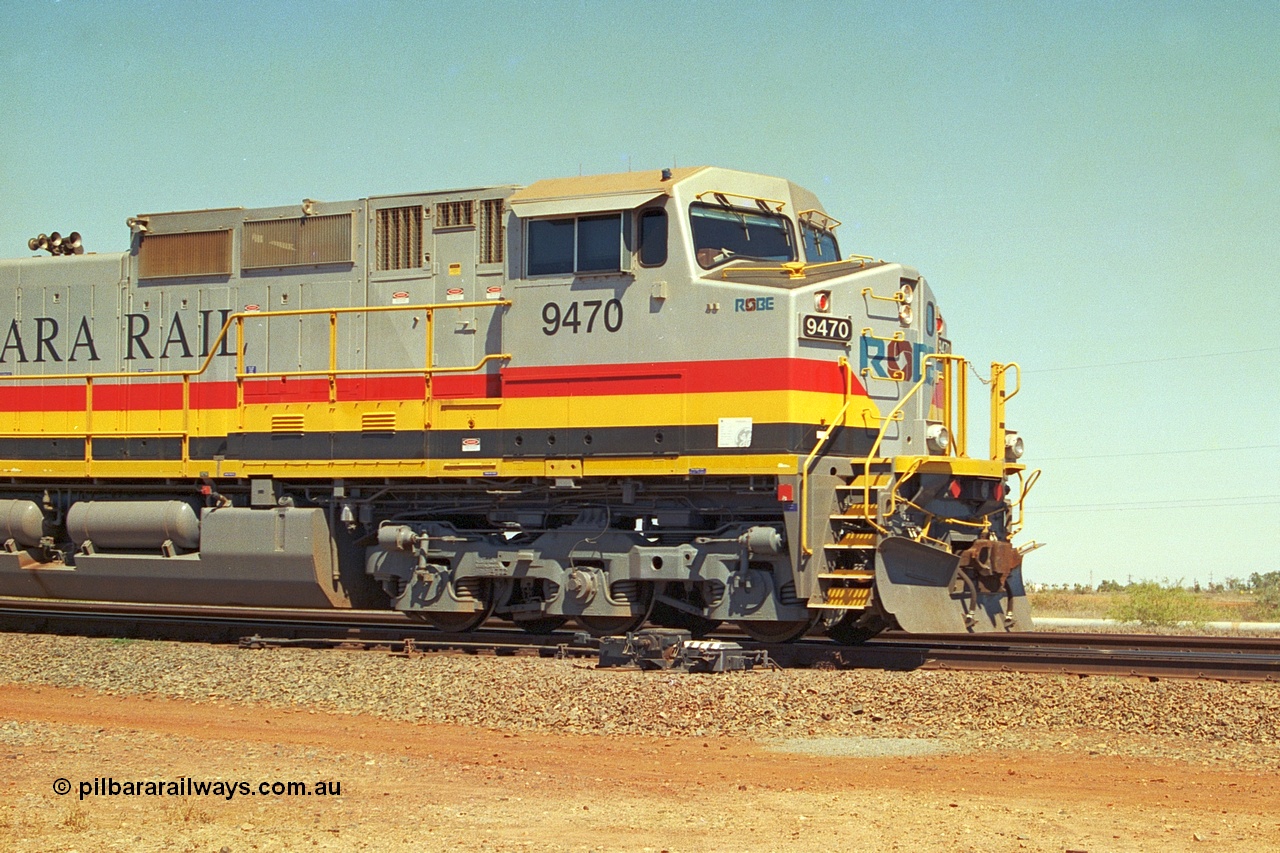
pixel 37 398
pixel 459 386
pixel 692 377
pixel 213 395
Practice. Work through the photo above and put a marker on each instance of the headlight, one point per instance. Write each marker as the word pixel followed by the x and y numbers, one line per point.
pixel 1013 447
pixel 938 438
pixel 904 314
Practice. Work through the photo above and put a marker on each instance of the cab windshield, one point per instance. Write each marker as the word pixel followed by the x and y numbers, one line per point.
pixel 819 244
pixel 722 234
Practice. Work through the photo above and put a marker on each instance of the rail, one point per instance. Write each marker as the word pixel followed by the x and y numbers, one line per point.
pixel 217 347
pixel 1120 655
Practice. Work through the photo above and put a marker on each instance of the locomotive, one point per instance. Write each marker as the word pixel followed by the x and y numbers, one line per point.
pixel 661 396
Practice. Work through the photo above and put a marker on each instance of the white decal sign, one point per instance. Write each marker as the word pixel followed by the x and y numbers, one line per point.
pixel 734 432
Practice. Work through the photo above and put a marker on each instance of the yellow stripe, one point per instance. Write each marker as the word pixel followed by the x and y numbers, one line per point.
pixel 955 466
pixel 759 464
pixel 852 596
pixel 520 413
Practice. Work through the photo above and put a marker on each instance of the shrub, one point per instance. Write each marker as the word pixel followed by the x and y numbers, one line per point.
pixel 1266 597
pixel 1151 605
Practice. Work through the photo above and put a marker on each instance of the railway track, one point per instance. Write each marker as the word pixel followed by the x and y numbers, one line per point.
pixel 1134 655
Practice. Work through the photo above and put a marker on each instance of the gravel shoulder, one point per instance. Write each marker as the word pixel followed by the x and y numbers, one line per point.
pixel 536 754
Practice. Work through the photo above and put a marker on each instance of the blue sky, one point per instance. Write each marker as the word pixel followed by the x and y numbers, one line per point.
pixel 1093 189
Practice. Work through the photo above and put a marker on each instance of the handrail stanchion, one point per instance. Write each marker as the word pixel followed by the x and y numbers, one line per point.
pixel 239 318
pixel 333 356
pixel 823 436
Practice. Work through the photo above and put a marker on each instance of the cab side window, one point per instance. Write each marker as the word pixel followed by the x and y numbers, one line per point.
pixel 653 237
pixel 551 246
pixel 575 245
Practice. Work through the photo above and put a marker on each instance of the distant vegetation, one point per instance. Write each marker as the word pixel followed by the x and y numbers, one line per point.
pixel 1165 603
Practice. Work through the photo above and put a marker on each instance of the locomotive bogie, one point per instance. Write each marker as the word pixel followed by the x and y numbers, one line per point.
pixel 589 570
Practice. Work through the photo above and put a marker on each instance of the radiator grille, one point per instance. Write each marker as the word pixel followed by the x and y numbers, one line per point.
pixel 286 423
pixel 492 231
pixel 191 253
pixel 378 422
pixel 455 214
pixel 306 240
pixel 399 239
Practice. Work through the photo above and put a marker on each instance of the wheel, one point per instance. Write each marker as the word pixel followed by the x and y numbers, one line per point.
pixel 609 626
pixel 856 628
pixel 458 622
pixel 668 617
pixel 776 632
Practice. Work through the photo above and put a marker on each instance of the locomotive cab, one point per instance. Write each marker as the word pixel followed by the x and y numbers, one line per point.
pixel 873 395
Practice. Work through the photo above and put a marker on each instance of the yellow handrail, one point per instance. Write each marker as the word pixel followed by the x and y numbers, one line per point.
pixel 215 345
pixel 823 437
pixel 725 196
pixel 898 295
pixel 897 410
pixel 796 269
pixel 1024 489
pixel 380 371
pixel 895 375
pixel 998 400
pixel 829 222
pixel 896 336
pixel 332 371
pixel 954 380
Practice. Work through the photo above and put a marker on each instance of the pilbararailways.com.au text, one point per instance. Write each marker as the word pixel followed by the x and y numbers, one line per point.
pixel 188 787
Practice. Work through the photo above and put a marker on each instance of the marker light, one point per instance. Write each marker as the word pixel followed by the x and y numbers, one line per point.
pixel 822 301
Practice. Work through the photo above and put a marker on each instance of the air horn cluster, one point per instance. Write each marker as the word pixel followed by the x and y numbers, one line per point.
pixel 56 244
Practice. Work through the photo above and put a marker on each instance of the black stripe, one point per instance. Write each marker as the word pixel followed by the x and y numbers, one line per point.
pixel 42 448
pixel 598 443
pixel 149 449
